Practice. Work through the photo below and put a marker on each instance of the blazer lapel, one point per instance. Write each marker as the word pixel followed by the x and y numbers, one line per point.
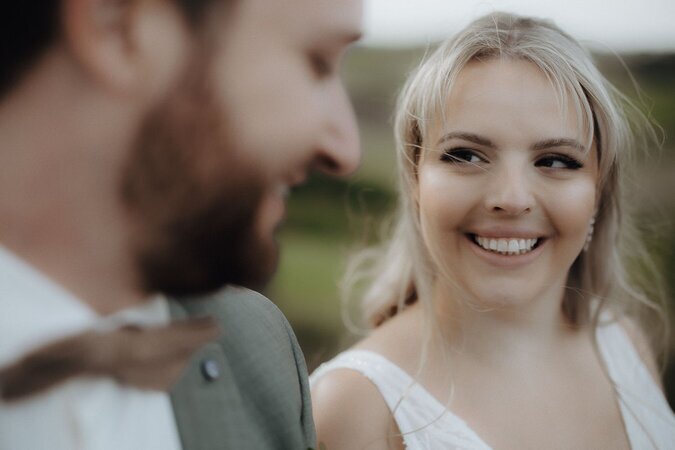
pixel 205 400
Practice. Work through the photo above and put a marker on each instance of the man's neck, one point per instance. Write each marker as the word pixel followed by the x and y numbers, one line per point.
pixel 95 274
pixel 60 154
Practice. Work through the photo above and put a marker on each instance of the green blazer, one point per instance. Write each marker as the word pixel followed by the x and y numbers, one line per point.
pixel 249 389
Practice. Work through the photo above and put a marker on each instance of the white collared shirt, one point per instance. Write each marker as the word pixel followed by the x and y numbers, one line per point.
pixel 85 413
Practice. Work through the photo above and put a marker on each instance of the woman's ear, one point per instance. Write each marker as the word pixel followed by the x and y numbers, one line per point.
pixel 128 46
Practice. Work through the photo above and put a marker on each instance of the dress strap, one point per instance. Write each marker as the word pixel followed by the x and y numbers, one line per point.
pixel 649 422
pixel 424 422
pixel 389 379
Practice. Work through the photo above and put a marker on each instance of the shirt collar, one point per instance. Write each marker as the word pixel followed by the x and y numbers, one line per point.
pixel 35 310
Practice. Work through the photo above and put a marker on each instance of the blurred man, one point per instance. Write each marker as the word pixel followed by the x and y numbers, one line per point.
pixel 146 149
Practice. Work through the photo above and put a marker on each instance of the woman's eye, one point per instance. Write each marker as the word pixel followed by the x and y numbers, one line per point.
pixel 461 156
pixel 559 162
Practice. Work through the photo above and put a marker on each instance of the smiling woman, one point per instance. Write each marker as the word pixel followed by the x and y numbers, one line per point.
pixel 512 169
pixel 501 311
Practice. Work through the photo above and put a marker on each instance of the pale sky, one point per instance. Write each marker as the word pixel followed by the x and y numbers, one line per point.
pixel 616 25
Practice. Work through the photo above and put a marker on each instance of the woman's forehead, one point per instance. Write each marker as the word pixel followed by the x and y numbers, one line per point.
pixel 507 97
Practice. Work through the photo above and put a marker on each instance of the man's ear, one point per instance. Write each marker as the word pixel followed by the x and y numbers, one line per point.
pixel 131 47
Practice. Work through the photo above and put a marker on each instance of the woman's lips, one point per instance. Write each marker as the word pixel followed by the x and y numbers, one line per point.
pixel 505 245
pixel 508 251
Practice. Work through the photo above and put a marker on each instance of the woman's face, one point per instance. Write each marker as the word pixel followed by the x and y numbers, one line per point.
pixel 506 187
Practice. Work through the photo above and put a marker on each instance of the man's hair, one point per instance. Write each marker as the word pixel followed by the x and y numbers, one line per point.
pixel 28 27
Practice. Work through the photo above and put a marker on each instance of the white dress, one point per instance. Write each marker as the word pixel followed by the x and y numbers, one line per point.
pixel 426 424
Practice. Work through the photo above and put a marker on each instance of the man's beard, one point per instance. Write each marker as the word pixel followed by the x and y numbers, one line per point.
pixel 194 198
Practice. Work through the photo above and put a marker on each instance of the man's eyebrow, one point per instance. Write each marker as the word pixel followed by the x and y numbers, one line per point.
pixel 471 137
pixel 559 142
pixel 353 36
pixel 342 35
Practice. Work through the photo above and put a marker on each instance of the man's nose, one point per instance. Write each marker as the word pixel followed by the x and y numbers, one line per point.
pixel 510 192
pixel 339 149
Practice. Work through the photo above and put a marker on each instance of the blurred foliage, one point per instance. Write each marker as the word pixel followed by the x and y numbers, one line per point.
pixel 327 218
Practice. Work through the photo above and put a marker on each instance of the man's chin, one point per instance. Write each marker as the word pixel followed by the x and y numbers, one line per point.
pixel 252 265
pixel 260 266
pixel 206 252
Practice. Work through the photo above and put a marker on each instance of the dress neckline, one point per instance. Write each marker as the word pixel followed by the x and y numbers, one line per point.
pixel 443 410
pixel 440 409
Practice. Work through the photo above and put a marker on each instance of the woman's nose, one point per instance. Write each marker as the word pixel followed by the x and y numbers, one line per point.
pixel 510 192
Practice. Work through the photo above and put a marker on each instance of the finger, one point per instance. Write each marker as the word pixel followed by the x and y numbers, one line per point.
pixel 43 368
pixel 135 346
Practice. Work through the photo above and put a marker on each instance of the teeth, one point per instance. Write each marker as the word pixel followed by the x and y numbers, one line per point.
pixel 506 246
pixel 502 245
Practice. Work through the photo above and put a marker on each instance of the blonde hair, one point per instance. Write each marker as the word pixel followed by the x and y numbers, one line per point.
pixel 401 271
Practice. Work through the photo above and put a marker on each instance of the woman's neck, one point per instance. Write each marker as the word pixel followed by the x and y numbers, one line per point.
pixel 523 329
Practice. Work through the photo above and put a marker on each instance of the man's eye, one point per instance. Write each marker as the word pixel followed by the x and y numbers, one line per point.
pixel 321 66
pixel 461 156
pixel 559 162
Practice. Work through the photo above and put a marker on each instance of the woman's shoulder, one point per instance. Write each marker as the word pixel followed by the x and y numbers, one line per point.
pixel 355 377
pixel 349 408
pixel 349 411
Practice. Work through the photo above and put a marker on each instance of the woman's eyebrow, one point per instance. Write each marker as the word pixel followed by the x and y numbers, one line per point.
pixel 559 142
pixel 485 142
pixel 471 137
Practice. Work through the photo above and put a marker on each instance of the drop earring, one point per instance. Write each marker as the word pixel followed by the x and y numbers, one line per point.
pixel 589 236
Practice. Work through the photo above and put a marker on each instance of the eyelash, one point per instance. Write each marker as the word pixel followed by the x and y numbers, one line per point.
pixel 458 155
pixel 569 162
pixel 461 155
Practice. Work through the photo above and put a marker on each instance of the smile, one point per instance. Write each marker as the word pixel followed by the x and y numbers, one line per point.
pixel 506 246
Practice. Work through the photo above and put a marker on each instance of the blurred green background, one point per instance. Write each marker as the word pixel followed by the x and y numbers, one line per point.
pixel 328 218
